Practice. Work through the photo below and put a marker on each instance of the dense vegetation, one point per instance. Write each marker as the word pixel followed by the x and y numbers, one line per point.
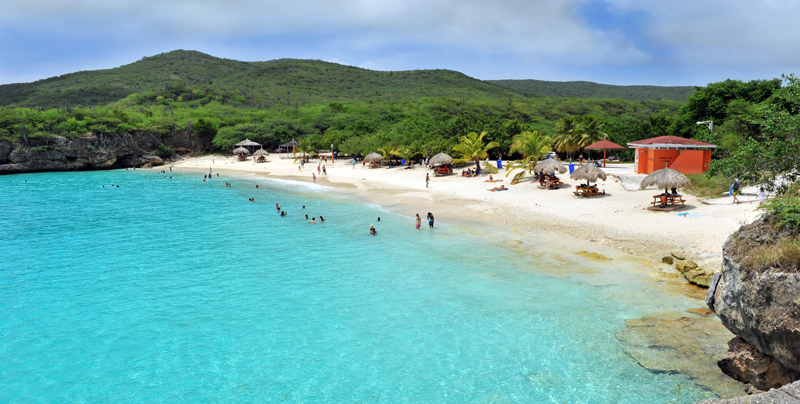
pixel 587 89
pixel 283 81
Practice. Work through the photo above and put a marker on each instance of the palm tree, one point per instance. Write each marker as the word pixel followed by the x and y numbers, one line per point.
pixel 567 134
pixel 472 148
pixel 303 146
pixel 387 152
pixel 591 131
pixel 532 146
pixel 406 152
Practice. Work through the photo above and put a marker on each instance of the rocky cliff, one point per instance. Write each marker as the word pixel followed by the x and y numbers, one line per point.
pixel 759 302
pixel 88 152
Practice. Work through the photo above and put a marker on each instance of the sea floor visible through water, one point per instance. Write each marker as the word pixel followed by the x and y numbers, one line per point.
pixel 176 290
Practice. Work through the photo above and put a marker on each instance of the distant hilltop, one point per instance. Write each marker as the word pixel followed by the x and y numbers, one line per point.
pixel 307 80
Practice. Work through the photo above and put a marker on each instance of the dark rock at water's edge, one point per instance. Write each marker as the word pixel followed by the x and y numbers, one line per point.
pixel 745 363
pixel 762 307
pixel 788 394
pixel 88 152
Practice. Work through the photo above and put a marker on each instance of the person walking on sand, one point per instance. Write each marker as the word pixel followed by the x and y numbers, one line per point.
pixel 419 221
pixel 324 172
pixel 354 164
pixel 318 170
pixel 734 191
pixel 430 220
pixel 314 176
pixel 762 196
pixel 427 179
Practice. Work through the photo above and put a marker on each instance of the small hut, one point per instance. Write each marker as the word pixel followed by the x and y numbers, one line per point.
pixel 260 155
pixel 440 159
pixel 590 173
pixel 241 152
pixel 666 178
pixel 374 159
pixel 548 166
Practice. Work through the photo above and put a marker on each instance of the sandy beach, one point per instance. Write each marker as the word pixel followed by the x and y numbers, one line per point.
pixel 617 220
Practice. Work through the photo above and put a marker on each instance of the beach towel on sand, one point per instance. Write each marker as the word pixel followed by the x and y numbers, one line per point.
pixel 691 215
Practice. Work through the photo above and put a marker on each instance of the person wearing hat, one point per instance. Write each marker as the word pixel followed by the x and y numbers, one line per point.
pixel 735 190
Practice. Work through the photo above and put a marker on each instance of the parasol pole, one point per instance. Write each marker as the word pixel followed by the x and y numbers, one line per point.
pixel 604 153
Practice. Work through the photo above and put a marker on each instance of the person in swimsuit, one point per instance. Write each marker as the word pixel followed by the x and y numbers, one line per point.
pixel 321 219
pixel 283 213
pixel 418 221
pixel 312 220
pixel 372 230
pixel 430 220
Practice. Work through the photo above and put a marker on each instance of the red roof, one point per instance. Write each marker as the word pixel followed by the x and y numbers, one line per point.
pixel 604 145
pixel 670 140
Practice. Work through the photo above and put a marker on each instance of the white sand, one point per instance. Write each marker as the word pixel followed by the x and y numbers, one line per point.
pixel 618 220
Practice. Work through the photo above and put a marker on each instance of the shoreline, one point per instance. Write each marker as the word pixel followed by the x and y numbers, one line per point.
pixel 618 220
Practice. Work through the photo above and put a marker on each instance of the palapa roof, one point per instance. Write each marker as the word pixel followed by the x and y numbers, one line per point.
pixel 241 150
pixel 589 173
pixel 261 152
pixel 441 158
pixel 247 143
pixel 549 166
pixel 292 143
pixel 604 145
pixel 666 178
pixel 670 141
pixel 373 157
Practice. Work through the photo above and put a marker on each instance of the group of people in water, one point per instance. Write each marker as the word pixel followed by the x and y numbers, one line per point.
pixel 313 219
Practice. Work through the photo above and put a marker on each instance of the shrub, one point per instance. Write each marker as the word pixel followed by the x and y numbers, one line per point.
pixel 785 212
pixel 163 151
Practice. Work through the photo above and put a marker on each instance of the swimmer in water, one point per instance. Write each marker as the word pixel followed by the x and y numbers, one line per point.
pixel 372 230
pixel 278 207
pixel 283 213
pixel 306 217
pixel 312 220
pixel 321 219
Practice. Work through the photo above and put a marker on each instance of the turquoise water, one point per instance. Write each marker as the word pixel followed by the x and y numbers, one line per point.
pixel 174 290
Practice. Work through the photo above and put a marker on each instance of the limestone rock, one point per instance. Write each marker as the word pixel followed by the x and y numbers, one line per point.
pixel 789 394
pixel 678 255
pixel 762 308
pixel 685 265
pixel 746 364
pixel 667 259
pixel 686 345
pixel 699 276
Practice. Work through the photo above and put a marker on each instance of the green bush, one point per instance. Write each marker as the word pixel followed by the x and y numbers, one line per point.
pixel 706 186
pixel 163 151
pixel 785 211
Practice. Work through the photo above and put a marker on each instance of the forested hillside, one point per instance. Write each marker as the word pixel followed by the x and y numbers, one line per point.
pixel 296 81
pixel 587 89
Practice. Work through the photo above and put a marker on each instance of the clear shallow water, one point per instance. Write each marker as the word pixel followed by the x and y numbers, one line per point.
pixel 178 291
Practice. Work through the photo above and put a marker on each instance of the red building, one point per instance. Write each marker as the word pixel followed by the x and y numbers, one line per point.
pixel 683 155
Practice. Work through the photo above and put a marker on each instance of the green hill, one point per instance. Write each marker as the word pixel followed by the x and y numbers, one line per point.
pixel 587 89
pixel 262 82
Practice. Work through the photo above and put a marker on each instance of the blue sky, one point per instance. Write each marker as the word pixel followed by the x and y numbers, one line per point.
pixel 678 42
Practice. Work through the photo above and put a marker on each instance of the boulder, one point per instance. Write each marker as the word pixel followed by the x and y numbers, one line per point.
pixel 746 364
pixel 678 255
pixel 667 259
pixel 699 276
pixel 788 394
pixel 685 265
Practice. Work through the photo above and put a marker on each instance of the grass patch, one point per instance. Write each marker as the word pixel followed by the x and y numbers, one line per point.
pixel 783 255
pixel 704 186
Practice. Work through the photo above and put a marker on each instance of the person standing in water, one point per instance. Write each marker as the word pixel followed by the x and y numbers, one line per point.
pixel 372 230
pixel 430 220
pixel 419 221
pixel 314 176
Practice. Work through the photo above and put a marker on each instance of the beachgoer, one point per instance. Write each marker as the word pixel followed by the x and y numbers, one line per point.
pixel 299 168
pixel 306 217
pixel 256 185
pixel 321 219
pixel 315 177
pixel 354 164
pixel 283 213
pixel 217 174
pixel 418 221
pixel 318 169
pixel 304 206
pixel 379 218
pixel 278 207
pixel 324 172
pixel 372 230
pixel 427 179
pixel 170 169
pixel 735 190
pixel 580 158
pixel 252 200
pixel 762 196
pixel 312 220
pixel 430 219
pixel 363 164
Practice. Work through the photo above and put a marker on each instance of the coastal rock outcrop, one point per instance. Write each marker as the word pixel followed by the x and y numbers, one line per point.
pixel 693 273
pixel 87 152
pixel 788 394
pixel 761 305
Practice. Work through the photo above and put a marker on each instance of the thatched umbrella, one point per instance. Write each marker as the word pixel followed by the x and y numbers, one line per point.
pixel 441 158
pixel 247 143
pixel 373 157
pixel 261 152
pixel 241 150
pixel 549 166
pixel 589 173
pixel 666 178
